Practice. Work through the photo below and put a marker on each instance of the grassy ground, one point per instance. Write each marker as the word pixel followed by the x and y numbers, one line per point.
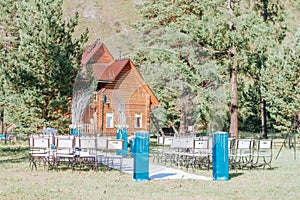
pixel 19 182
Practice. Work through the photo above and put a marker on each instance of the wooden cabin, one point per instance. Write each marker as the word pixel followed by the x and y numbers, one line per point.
pixel 122 98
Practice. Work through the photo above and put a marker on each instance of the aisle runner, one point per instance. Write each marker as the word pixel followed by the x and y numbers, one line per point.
pixel 159 172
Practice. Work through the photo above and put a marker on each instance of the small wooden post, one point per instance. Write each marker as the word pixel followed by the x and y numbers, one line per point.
pixel 103 103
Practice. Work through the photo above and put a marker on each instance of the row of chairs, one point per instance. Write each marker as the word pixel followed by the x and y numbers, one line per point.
pixel 197 152
pixel 250 153
pixel 183 152
pixel 54 151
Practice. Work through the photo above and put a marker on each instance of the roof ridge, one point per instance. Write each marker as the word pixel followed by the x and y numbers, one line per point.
pixel 92 46
pixel 121 59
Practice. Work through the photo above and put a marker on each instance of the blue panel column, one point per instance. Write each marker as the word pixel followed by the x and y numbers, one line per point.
pixel 220 156
pixel 122 133
pixel 141 156
pixel 132 148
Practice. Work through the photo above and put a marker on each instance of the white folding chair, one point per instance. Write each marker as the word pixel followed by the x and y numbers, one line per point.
pixel 114 145
pixel 39 151
pixel 231 151
pixel 101 150
pixel 164 155
pixel 202 153
pixel 243 156
pixel 65 150
pixel 264 153
pixel 87 152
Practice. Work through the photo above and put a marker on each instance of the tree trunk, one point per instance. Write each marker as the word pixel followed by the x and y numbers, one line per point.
pixel 172 125
pixel 233 132
pixel 263 119
pixel 2 120
pixel 265 5
pixel 182 129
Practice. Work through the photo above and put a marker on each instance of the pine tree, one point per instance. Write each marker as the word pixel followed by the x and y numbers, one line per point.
pixel 177 70
pixel 48 59
pixel 8 36
pixel 236 34
pixel 280 81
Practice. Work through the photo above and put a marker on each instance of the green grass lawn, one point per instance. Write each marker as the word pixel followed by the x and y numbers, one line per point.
pixel 17 181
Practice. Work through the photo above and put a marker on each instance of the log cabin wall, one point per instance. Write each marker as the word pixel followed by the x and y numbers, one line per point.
pixel 125 96
pixel 125 90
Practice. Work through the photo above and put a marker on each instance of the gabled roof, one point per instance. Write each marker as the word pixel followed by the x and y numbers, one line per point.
pixel 107 69
pixel 96 53
pixel 153 98
pixel 110 71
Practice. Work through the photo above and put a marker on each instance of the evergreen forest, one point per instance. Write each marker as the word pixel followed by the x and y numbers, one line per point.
pixel 218 65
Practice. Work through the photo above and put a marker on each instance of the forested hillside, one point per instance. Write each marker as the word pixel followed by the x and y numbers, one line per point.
pixel 111 21
pixel 210 63
pixel 252 56
pixel 103 18
pixel 210 112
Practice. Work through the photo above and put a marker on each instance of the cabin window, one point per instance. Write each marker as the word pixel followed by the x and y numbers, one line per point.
pixel 138 120
pixel 109 120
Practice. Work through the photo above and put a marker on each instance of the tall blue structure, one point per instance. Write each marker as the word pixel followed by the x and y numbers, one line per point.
pixel 220 156
pixel 141 156
pixel 122 133
pixel 132 148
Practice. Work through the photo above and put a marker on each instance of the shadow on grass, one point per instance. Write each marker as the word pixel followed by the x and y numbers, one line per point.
pixel 267 168
pixel 66 167
pixel 235 174
pixel 14 160
pixel 13 154
pixel 13 149
pixel 161 175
